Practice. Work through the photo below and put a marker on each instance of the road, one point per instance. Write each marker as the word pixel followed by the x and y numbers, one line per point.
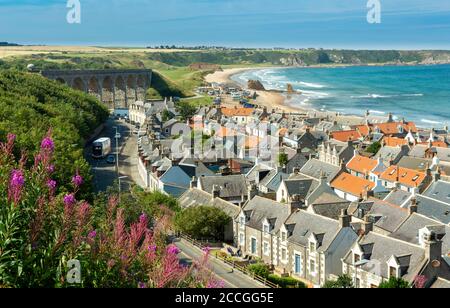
pixel 232 278
pixel 106 174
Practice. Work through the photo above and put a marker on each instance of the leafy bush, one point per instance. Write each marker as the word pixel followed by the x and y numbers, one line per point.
pixel 374 148
pixel 259 269
pixel 343 282
pixel 202 222
pixel 286 282
pixel 395 283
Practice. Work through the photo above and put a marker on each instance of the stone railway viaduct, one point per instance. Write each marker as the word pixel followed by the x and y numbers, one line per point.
pixel 116 88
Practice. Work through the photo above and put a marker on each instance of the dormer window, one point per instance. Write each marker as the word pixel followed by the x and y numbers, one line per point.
pixel 266 229
pixel 283 236
pixel 393 272
pixel 242 221
pixel 356 258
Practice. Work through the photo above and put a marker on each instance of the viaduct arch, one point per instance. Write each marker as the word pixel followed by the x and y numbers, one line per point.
pixel 116 88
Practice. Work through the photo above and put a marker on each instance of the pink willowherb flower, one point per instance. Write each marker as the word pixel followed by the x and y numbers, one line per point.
pixel 48 144
pixel 92 234
pixel 215 284
pixel 51 184
pixel 16 183
pixel 77 180
pixel 69 199
pixel 11 138
pixel 172 249
pixel 50 169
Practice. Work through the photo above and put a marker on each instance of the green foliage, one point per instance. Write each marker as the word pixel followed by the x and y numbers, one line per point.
pixel 259 269
pixel 186 110
pixel 286 282
pixel 283 159
pixel 343 282
pixel 202 222
pixel 395 283
pixel 374 148
pixel 31 105
pixel 167 115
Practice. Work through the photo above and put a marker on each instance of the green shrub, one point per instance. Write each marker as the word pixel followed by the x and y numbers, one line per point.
pixel 286 282
pixel 259 269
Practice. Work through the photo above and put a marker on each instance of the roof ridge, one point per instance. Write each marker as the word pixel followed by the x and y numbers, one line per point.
pixel 395 239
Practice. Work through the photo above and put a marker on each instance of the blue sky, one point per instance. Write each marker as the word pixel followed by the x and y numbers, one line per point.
pixel 406 24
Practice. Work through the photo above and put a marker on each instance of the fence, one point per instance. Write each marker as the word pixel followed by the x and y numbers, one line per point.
pixel 241 269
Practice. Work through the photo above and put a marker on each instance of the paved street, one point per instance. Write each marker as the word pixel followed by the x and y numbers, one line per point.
pixel 232 279
pixel 106 174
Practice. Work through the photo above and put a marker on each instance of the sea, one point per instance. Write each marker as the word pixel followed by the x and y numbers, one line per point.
pixel 416 93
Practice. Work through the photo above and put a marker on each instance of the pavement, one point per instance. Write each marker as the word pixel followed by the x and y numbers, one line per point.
pixel 104 174
pixel 232 278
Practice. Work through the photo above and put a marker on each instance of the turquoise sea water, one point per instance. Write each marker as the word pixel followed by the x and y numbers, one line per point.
pixel 418 93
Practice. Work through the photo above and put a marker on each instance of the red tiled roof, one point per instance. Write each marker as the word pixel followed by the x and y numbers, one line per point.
pixel 404 176
pixel 362 164
pixel 346 135
pixel 352 184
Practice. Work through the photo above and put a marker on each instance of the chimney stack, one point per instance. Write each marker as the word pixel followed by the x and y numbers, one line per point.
pixel 433 246
pixel 216 191
pixel 295 203
pixel 367 225
pixel 413 206
pixel 194 182
pixel 252 192
pixel 344 219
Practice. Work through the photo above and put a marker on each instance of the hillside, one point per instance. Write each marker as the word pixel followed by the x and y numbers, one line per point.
pixel 30 105
pixel 177 72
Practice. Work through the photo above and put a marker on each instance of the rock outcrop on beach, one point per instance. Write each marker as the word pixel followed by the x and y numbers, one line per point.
pixel 290 88
pixel 255 85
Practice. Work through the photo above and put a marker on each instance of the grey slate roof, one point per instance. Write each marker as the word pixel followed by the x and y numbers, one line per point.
pixel 379 249
pixel 197 197
pixel 261 208
pixel 314 168
pixel 414 163
pixel 387 153
pixel 398 197
pixel 387 216
pixel 440 283
pixel 301 187
pixel 442 153
pixel 439 190
pixel 329 205
pixel 409 231
pixel 434 209
pixel 302 224
pixel 230 186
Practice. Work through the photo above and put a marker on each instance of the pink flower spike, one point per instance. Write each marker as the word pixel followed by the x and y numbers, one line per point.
pixel 69 200
pixel 48 144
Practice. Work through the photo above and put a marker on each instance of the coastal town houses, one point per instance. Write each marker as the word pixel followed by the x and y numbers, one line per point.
pixel 336 152
pixel 391 155
pixel 366 168
pixel 406 179
pixel 375 258
pixel 310 246
pixel 258 224
pixel 353 188
pixel 231 188
pixel 315 169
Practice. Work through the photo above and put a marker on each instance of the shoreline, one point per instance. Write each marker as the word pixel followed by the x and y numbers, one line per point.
pixel 282 100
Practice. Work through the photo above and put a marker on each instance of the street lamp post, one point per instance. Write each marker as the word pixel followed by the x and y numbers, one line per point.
pixel 117 150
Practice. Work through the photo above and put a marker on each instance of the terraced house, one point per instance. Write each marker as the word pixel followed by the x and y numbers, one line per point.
pixel 311 246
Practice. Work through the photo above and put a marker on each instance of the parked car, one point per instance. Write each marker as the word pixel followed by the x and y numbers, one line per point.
pixel 111 159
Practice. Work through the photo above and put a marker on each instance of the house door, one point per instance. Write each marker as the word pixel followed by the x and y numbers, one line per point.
pixel 298 264
pixel 253 246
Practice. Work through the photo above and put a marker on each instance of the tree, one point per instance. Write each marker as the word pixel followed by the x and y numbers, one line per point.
pixel 185 110
pixel 374 148
pixel 202 222
pixel 395 283
pixel 343 282
pixel 283 159
pixel 167 115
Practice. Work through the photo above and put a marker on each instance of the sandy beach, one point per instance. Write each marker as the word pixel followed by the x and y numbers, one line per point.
pixel 270 99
